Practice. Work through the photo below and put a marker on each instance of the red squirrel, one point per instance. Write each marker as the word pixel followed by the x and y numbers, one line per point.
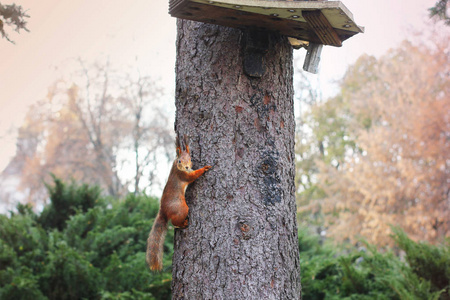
pixel 173 205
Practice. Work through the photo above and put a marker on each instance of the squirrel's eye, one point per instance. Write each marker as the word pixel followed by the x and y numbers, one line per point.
pixel 179 161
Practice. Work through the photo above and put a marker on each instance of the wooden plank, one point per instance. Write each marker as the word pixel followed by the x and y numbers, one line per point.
pixel 285 17
pixel 335 11
pixel 323 29
pixel 285 9
pixel 241 19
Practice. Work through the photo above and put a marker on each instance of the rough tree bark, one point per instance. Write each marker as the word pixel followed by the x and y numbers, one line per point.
pixel 242 241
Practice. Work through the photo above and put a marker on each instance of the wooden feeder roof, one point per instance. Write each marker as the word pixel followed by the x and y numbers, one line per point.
pixel 321 22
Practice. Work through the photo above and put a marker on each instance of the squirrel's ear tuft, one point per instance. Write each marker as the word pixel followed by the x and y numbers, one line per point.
pixel 178 146
pixel 186 143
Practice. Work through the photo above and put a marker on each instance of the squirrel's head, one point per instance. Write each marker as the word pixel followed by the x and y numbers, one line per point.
pixel 184 162
pixel 183 157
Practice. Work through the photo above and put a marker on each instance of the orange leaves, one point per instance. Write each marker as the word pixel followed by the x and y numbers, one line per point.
pixel 397 108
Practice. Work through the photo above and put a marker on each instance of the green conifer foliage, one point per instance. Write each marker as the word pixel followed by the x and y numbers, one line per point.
pixel 96 250
pixel 82 246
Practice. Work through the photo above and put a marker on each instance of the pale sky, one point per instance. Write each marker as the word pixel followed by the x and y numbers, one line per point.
pixel 143 31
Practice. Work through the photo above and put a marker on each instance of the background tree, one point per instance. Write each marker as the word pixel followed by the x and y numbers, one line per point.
pixel 87 132
pixel 25 163
pixel 439 11
pixel 323 138
pixel 241 241
pixel 102 121
pixel 382 143
pixel 152 137
pixel 14 16
pixel 308 95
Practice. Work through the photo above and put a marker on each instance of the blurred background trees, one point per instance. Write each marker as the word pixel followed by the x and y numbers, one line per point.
pixel 378 152
pixel 375 154
pixel 88 129
pixel 439 11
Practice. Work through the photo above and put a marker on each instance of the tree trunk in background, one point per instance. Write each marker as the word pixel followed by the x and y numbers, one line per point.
pixel 241 242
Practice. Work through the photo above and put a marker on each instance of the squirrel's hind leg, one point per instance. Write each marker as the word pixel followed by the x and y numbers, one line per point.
pixel 180 220
pixel 184 224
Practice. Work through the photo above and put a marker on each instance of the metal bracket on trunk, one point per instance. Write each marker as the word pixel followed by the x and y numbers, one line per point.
pixel 312 58
pixel 255 46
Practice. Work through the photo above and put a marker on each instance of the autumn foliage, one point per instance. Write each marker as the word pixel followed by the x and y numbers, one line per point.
pixel 381 154
pixel 100 126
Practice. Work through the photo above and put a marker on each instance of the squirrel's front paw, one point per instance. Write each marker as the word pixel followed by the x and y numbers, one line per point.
pixel 207 168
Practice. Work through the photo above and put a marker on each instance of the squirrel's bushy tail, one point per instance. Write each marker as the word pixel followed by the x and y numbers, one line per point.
pixel 155 243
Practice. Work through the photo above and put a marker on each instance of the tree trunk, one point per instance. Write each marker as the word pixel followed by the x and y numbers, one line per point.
pixel 241 242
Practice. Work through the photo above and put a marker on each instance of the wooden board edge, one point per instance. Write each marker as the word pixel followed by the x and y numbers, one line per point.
pixel 295 5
